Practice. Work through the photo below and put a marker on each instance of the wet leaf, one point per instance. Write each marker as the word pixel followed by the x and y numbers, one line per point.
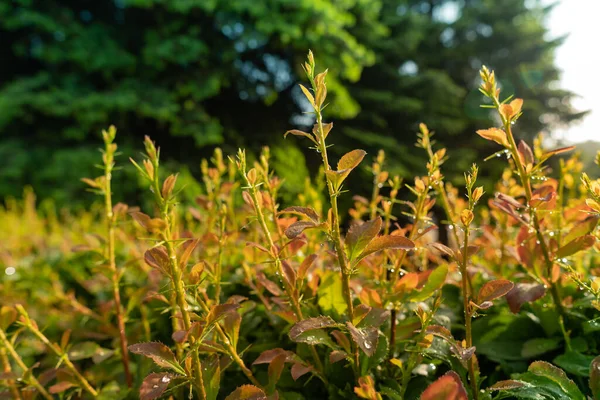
pixel 508 384
pixel 154 385
pixel 365 338
pixel 558 376
pixel 447 387
pixel 310 324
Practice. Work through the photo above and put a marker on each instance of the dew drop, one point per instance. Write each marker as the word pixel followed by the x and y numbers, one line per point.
pixel 165 379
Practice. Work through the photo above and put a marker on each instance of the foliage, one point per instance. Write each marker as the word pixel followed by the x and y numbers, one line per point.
pixel 232 297
pixel 198 73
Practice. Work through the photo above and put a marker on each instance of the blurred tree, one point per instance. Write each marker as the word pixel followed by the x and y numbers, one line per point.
pixel 199 73
pixel 426 70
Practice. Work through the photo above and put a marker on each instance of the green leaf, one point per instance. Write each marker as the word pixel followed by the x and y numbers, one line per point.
pixel 330 296
pixel 558 376
pixel 434 282
pixel 538 346
pixel 83 350
pixel 359 236
pixel 590 326
pixel 574 363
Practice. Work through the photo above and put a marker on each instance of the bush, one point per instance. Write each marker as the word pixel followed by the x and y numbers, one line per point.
pixel 234 298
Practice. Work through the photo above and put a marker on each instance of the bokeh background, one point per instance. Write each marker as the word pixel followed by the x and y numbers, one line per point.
pixel 197 74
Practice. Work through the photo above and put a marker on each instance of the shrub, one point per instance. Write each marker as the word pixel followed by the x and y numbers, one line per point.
pixel 236 298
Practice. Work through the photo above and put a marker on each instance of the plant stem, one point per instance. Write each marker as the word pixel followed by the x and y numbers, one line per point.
pixel 8 370
pixel 58 352
pixel 230 349
pixel 13 353
pixel 467 310
pixel 536 223
pixel 110 222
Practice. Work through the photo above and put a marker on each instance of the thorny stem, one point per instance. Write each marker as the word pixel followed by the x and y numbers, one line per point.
pixel 335 230
pixel 110 222
pixel 19 361
pixel 58 352
pixel 176 274
pixel 536 223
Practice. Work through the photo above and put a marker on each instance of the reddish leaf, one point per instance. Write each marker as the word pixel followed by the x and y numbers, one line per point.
pixel 336 356
pixel 549 154
pixel 247 392
pixel 219 311
pixel 275 369
pixel 525 153
pixel 524 293
pixel 386 242
pixel 60 387
pixel 297 132
pixel 306 211
pixel 289 273
pixel 155 385
pixel 298 227
pixel 158 258
pixel 494 289
pixel 269 285
pixel 359 236
pixel 576 245
pixel 159 353
pixel 306 264
pixel 298 370
pixel 267 356
pixel 188 248
pixel 447 387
